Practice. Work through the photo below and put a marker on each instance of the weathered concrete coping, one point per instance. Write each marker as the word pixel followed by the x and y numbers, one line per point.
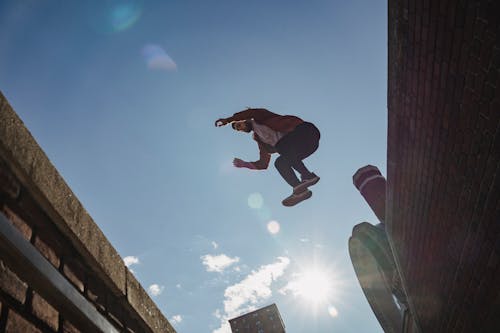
pixel 37 174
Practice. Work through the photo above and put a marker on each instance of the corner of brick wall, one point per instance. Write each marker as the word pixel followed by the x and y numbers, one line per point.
pixel 39 204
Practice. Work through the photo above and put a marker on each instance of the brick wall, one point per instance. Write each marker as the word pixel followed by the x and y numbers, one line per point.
pixel 44 211
pixel 443 208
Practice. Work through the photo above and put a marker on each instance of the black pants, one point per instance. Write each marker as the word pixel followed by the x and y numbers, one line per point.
pixel 293 148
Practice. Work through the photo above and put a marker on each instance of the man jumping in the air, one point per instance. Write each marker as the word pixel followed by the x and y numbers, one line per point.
pixel 289 136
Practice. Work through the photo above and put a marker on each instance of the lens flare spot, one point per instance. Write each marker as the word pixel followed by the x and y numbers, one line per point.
pixel 255 201
pixel 157 58
pixel 273 227
pixel 332 311
pixel 124 15
pixel 114 16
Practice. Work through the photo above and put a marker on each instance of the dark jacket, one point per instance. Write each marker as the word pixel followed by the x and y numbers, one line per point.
pixel 279 123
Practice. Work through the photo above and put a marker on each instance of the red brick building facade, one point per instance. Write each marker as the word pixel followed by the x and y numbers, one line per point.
pixel 442 217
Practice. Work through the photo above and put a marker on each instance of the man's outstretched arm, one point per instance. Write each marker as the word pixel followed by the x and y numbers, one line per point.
pixel 257 114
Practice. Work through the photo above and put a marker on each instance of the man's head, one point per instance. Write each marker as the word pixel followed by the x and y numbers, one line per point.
pixel 242 125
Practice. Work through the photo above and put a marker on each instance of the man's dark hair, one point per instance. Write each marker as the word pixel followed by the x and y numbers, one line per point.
pixel 248 125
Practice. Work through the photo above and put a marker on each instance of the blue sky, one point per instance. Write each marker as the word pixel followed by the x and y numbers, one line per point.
pixel 122 96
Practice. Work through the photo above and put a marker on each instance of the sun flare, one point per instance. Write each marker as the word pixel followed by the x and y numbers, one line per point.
pixel 314 286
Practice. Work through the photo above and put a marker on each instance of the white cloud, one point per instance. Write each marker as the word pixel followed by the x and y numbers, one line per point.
pixel 294 286
pixel 155 289
pixel 224 327
pixel 131 260
pixel 176 319
pixel 218 263
pixel 244 296
pixel 215 245
pixel 178 286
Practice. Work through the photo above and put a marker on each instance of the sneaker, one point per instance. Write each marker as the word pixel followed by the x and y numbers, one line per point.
pixel 295 198
pixel 305 183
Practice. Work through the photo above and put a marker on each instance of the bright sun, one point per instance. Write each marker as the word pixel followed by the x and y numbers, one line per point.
pixel 314 286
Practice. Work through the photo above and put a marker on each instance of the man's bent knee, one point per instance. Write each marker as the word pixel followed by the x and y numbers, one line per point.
pixel 281 163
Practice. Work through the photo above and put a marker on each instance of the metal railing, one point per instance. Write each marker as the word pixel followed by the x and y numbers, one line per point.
pixel 25 260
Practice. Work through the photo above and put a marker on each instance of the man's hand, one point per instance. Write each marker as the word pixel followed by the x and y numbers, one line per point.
pixel 221 122
pixel 242 164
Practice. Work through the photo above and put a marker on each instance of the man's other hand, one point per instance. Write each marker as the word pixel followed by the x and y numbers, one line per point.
pixel 240 163
pixel 221 122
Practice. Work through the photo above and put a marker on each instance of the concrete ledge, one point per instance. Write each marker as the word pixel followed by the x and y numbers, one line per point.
pixel 138 298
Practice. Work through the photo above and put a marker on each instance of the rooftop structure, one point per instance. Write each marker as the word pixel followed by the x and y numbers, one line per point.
pixel 263 320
